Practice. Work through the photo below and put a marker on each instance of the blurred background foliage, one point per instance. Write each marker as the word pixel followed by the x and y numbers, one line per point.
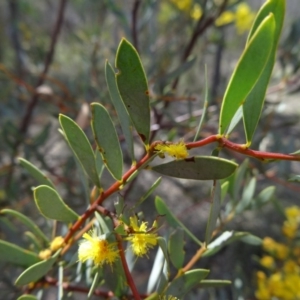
pixel 52 57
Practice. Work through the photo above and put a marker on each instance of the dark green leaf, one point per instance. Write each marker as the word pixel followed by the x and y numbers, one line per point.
pixel 120 108
pixel 107 140
pixel 133 88
pixel 198 167
pixel 183 284
pixel 36 271
pixel 27 297
pixel 215 208
pixel 255 100
pixel 247 71
pixel 16 255
pixel 26 221
pixel 36 173
pixel 52 206
pixel 175 247
pixel 163 210
pixel 81 147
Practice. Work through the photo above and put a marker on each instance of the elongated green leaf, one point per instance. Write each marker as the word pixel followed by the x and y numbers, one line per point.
pixel 52 206
pixel 183 284
pixel 164 248
pixel 264 196
pixel 35 172
pixel 26 221
pixel 198 167
pixel 208 283
pixel 81 147
pixel 27 297
pixel 107 140
pixel 148 193
pixel 214 211
pixel 120 108
pixel 247 71
pixel 133 88
pixel 247 196
pixel 228 237
pixel 16 255
pixel 157 267
pixel 255 100
pixel 175 247
pixel 162 209
pixel 36 271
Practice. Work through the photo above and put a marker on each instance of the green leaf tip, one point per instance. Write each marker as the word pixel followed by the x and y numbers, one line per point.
pixel 133 88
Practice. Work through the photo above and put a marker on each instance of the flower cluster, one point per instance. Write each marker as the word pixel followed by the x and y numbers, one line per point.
pixel 281 276
pixel 243 18
pixel 178 150
pixel 140 239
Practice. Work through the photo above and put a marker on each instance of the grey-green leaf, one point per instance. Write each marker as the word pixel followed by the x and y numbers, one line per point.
pixel 175 247
pixel 120 108
pixel 52 206
pixel 213 283
pixel 16 255
pixel 228 237
pixel 35 172
pixel 26 221
pixel 133 88
pixel 107 140
pixel 215 208
pixel 198 167
pixel 35 272
pixel 183 284
pixel 80 146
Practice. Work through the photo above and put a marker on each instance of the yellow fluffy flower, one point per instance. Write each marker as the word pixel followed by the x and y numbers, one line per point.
pixel 267 261
pixel 292 212
pixel 243 18
pixel 97 249
pixel 269 244
pixel 225 18
pixel 140 239
pixel 290 229
pixel 196 12
pixel 184 5
pixel 178 150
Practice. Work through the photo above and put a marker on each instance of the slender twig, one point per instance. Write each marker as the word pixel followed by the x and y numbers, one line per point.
pixel 15 38
pixel 129 278
pixel 134 30
pixel 48 60
pixel 25 122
